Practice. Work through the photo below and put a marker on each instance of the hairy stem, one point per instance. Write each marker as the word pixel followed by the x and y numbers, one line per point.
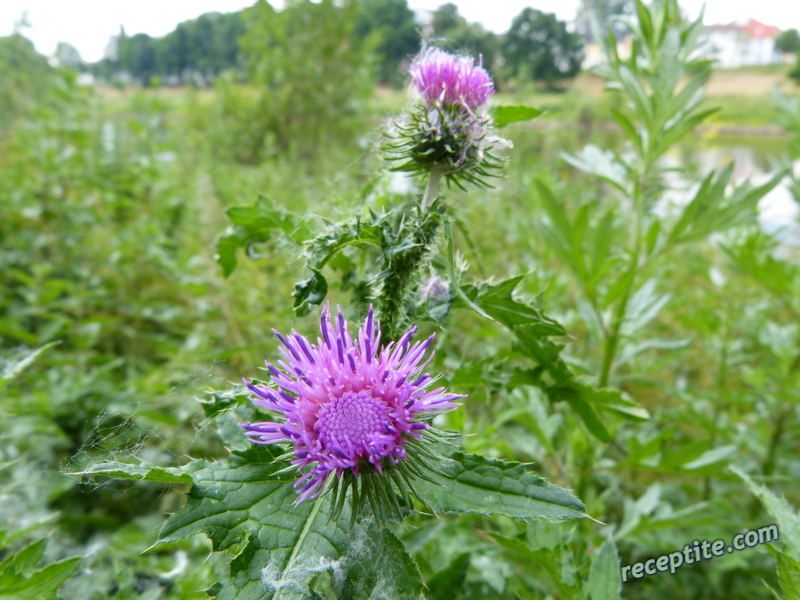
pixel 416 233
pixel 400 272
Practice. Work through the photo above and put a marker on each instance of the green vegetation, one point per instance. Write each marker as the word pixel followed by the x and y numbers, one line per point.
pixel 788 41
pixel 660 389
pixel 538 47
pixel 197 51
pixel 202 49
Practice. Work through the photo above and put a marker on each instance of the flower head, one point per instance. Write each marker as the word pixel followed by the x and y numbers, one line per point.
pixel 449 130
pixel 436 288
pixel 447 79
pixel 347 404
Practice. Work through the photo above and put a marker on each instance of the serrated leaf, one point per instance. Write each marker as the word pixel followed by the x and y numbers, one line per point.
pixel 505 115
pixel 783 512
pixel 140 472
pixel 788 575
pixel 497 301
pixel 487 486
pixel 309 293
pixel 605 582
pixel 282 548
pixel 546 353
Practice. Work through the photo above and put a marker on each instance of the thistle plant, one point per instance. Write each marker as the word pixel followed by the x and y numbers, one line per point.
pixel 347 448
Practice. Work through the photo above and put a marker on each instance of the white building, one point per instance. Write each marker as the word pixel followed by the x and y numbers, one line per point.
pixel 743 43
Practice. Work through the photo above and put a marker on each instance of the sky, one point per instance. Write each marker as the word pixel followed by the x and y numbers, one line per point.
pixel 88 24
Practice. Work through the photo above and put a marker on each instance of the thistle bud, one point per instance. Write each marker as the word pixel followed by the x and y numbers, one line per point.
pixel 449 129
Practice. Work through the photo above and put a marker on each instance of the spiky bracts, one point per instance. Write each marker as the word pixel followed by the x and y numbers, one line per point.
pixel 450 129
pixel 351 408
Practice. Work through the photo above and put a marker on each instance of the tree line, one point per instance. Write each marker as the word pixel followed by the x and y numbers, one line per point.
pixel 537 47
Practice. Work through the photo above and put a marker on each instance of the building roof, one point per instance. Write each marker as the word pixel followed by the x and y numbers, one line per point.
pixel 751 27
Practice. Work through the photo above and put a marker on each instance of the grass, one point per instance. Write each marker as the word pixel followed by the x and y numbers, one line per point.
pixel 744 97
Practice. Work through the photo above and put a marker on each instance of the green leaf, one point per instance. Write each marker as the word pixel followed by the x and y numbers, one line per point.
pixel 602 164
pixel 545 563
pixel 546 353
pixel 19 579
pixel 446 584
pixel 140 472
pixel 284 550
pixel 783 512
pixel 711 457
pixel 589 417
pixel 256 224
pixel 309 293
pixel 710 211
pixel 486 486
pixel 13 368
pixel 788 575
pixel 228 244
pixel 605 582
pixel 451 268
pixel 225 400
pixel 611 401
pixel 498 303
pixel 504 115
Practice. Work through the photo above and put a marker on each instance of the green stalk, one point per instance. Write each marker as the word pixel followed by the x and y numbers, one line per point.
pixel 432 188
pixel 613 336
pixel 417 233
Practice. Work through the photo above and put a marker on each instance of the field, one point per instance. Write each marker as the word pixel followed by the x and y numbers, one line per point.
pixel 621 312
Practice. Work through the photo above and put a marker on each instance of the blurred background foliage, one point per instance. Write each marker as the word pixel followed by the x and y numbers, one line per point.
pixel 111 204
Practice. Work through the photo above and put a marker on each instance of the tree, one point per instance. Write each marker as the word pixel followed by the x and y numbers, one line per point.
pixel 392 23
pixel 25 76
pixel 68 56
pixel 795 72
pixel 310 78
pixel 538 47
pixel 204 47
pixel 455 33
pixel 788 41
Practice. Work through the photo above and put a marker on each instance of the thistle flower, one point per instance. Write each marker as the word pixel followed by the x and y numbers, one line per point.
pixel 449 130
pixel 346 404
pixel 449 80
pixel 436 288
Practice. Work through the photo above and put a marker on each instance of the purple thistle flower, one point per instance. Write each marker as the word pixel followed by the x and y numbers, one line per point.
pixel 346 403
pixel 435 288
pixel 449 80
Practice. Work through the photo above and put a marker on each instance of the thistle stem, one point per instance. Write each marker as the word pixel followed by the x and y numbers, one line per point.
pixel 432 188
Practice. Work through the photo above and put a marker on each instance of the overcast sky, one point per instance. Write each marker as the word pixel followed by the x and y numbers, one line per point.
pixel 88 24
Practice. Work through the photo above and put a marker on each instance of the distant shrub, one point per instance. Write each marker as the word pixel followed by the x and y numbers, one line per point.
pixel 309 79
